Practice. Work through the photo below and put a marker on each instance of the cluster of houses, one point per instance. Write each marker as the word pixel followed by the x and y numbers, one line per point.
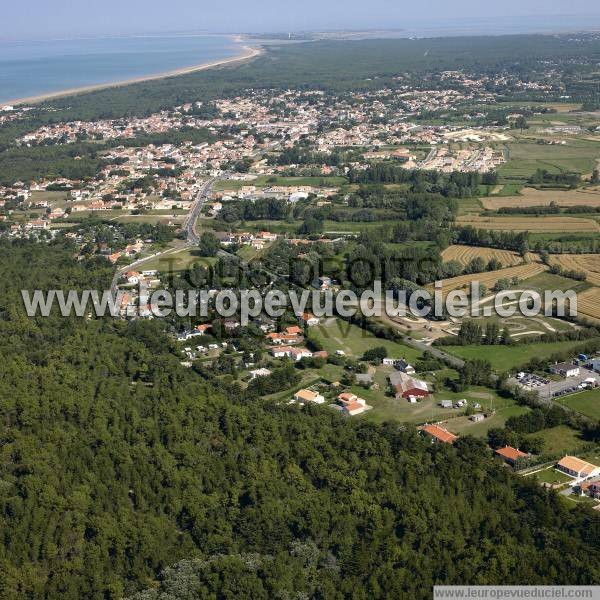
pixel 257 241
pixel 347 403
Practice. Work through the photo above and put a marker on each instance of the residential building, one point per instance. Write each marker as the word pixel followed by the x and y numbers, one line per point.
pixel 438 434
pixel 565 369
pixel 260 373
pixel 510 455
pixel 577 468
pixel 400 364
pixel 308 319
pixel 309 396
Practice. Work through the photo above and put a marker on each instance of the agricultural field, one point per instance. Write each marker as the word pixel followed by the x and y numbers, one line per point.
pixel 540 224
pixel 489 279
pixel 586 403
pixel 588 263
pixel 588 304
pixel 589 196
pixel 525 156
pixel 465 254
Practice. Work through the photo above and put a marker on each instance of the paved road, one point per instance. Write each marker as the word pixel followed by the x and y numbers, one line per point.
pixel 192 238
pixel 190 223
pixel 435 350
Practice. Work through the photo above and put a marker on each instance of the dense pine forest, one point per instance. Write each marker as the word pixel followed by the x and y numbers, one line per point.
pixel 117 464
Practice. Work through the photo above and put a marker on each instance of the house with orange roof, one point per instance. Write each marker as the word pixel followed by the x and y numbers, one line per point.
pixel 293 330
pixel 308 396
pixel 438 434
pixel 511 455
pixel 308 319
pixel 284 338
pixel 351 404
pixel 577 468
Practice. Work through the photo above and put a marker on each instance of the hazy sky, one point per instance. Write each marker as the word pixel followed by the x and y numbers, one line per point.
pixel 47 18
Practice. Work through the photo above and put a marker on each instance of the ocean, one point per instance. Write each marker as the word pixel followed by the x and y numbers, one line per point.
pixel 33 68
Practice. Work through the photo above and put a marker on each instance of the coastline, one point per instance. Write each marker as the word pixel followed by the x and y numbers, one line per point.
pixel 248 53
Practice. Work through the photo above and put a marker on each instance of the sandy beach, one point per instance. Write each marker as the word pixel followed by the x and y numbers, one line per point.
pixel 248 53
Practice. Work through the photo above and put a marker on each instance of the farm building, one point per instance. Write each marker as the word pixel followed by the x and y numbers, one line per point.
pixel 404 386
pixel 477 417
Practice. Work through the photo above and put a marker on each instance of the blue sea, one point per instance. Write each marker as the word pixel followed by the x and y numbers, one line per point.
pixel 33 68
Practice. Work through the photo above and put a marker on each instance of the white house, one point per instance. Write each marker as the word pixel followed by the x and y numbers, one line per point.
pixel 260 373
pixel 565 369
pixel 400 364
pixel 308 396
pixel 308 319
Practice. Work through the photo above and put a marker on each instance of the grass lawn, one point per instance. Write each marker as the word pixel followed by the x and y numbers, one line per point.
pixel 587 403
pixel 336 334
pixel 506 358
pixel 560 440
pixel 176 261
pixel 464 426
pixel 548 281
pixel 552 476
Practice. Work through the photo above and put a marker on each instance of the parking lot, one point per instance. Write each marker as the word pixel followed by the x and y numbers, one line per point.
pixel 550 390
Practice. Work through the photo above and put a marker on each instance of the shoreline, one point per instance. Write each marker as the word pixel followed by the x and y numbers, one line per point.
pixel 248 53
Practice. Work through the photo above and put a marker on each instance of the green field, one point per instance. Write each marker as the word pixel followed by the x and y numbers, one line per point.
pixel 552 476
pixel 586 403
pixel 176 261
pixel 464 426
pixel 505 358
pixel 526 156
pixel 548 281
pixel 336 334
pixel 560 440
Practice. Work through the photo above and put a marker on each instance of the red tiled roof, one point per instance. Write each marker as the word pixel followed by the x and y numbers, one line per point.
pixel 439 433
pixel 510 453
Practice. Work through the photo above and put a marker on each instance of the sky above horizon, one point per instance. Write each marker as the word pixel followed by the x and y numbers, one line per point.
pixel 44 18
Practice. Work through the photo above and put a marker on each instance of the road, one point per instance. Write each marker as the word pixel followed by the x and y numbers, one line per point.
pixel 191 237
pixel 190 224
